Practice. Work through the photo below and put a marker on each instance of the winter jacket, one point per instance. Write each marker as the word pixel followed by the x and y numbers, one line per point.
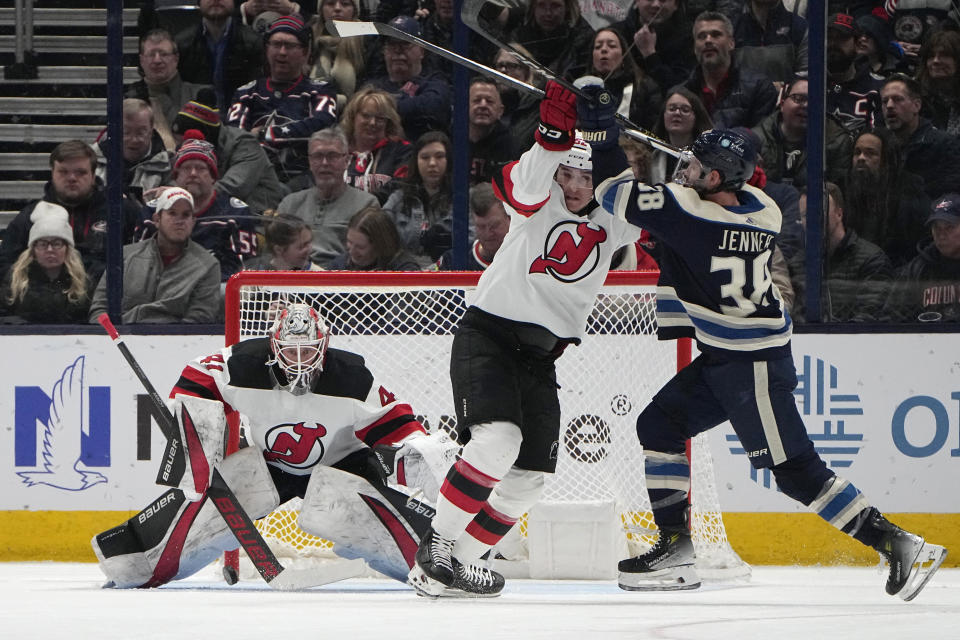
pixel 566 48
pixel 186 290
pixel 372 171
pixel 403 261
pixel 243 58
pixel 246 172
pixel 673 61
pixel 784 163
pixel 927 289
pixel 742 100
pixel 489 154
pixel 425 231
pixel 858 277
pixel 168 98
pixel 777 49
pixel 149 172
pixel 45 300
pixel 89 222
pixel 423 102
pixel 933 155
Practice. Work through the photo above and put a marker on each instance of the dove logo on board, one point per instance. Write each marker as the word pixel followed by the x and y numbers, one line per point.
pixel 59 437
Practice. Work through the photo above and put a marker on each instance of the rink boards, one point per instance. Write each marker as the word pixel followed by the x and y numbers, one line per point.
pixel 883 411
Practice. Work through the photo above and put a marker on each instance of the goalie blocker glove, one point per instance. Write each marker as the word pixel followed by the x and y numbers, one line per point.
pixel 597 112
pixel 558 118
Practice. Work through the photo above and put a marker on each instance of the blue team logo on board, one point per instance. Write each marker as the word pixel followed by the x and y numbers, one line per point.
pixel 70 428
pixel 827 413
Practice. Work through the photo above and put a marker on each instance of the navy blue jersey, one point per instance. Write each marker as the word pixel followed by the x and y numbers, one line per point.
pixel 715 283
pixel 293 113
pixel 856 103
pixel 225 227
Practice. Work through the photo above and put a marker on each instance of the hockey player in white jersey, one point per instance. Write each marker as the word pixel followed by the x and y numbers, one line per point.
pixel 716 236
pixel 530 303
pixel 312 417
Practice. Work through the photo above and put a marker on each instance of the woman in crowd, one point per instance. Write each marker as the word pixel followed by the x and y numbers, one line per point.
pixel 378 150
pixel 289 243
pixel 422 203
pixel 333 58
pixel 939 76
pixel 47 284
pixel 373 244
pixel 684 118
pixel 640 97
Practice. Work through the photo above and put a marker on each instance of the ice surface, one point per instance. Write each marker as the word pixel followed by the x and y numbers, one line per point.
pixel 65 601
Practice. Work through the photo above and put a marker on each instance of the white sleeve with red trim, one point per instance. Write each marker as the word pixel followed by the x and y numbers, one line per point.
pixel 524 185
pixel 382 420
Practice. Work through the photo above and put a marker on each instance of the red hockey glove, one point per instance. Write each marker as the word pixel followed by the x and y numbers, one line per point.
pixel 558 118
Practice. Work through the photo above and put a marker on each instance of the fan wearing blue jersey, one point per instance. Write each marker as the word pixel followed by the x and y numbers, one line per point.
pixel 717 236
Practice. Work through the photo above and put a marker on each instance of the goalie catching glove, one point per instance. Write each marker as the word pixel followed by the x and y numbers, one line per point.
pixel 420 461
pixel 558 118
pixel 597 111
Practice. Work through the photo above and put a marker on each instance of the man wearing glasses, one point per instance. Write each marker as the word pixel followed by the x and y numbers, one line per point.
pixel 784 138
pixel 329 204
pixel 285 107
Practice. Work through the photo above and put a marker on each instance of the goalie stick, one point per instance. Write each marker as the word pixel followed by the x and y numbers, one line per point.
pixel 345 29
pixel 226 502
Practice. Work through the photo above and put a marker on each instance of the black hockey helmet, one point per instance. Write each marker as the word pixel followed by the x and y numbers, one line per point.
pixel 730 153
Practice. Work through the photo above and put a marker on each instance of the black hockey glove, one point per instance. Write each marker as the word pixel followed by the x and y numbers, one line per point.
pixel 558 117
pixel 597 113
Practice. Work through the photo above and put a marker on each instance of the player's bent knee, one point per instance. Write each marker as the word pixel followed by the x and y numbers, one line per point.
pixel 517 492
pixel 493 447
pixel 802 477
pixel 246 473
pixel 655 430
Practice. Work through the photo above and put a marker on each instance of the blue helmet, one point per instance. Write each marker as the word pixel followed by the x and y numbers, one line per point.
pixel 729 152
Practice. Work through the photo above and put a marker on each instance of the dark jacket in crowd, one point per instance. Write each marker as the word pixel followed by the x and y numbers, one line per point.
pixel 565 49
pixel 673 60
pixel 926 289
pixel 489 154
pixel 858 276
pixel 743 99
pixel 244 59
pixel 427 109
pixel 933 155
pixel 783 163
pixel 89 222
pixel 777 49
pixel 45 300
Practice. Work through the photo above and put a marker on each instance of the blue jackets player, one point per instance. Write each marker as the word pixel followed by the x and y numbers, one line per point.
pixel 717 235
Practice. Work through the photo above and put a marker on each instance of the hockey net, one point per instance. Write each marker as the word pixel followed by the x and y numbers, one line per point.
pixel 403 324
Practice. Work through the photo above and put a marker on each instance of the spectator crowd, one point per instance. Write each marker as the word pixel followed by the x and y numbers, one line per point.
pixel 258 139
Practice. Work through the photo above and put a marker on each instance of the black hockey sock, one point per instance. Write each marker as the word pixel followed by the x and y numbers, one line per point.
pixel 867 527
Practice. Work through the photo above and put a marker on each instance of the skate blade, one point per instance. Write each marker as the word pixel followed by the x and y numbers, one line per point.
pixel 449 592
pixel 424 585
pixel 929 559
pixel 673 579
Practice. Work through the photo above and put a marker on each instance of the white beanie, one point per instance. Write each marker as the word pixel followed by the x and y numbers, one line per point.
pixel 50 221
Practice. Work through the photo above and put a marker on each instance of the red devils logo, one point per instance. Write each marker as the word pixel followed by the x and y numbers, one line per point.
pixel 296 445
pixel 571 252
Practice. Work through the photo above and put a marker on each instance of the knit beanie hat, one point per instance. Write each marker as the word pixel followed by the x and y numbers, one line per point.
pixel 50 221
pixel 292 24
pixel 194 147
pixel 166 200
pixel 200 113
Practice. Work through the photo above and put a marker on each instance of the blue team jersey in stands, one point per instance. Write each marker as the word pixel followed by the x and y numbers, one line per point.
pixel 715 283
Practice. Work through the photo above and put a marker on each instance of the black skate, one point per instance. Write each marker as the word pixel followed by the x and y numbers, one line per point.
pixel 668 566
pixel 474 581
pixel 912 560
pixel 433 570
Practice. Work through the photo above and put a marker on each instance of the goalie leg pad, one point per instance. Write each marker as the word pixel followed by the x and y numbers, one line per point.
pixel 173 538
pixel 203 428
pixel 381 524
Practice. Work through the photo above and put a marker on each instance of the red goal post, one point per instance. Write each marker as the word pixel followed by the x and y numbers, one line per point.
pixel 403 323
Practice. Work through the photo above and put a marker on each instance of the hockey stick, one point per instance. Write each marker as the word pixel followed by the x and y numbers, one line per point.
pixel 226 502
pixel 470 15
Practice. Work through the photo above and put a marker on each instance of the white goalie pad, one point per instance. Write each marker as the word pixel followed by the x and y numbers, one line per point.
pixel 189 534
pixel 380 524
pixel 203 428
pixel 423 461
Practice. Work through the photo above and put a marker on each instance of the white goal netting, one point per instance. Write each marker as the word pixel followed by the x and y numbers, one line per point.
pixel 403 325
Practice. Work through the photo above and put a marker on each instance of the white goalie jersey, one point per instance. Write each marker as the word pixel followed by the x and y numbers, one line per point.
pixel 552 262
pixel 346 411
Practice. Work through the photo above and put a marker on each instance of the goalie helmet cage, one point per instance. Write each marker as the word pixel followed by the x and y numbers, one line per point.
pixel 403 324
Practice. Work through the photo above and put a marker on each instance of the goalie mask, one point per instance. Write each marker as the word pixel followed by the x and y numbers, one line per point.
pixel 299 340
